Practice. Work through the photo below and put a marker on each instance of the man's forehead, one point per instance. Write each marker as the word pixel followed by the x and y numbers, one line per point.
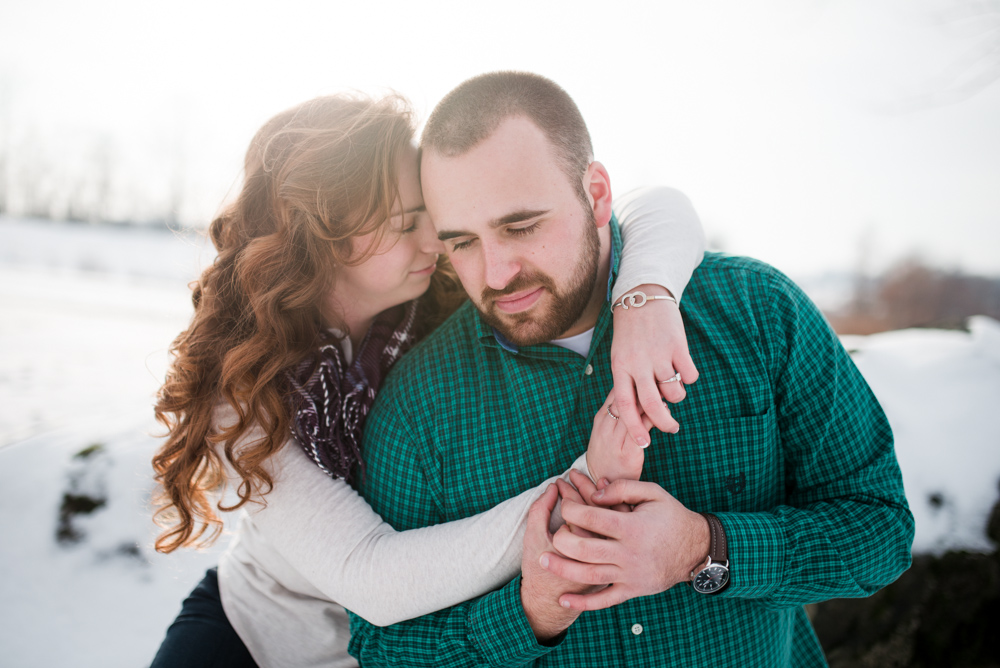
pixel 509 171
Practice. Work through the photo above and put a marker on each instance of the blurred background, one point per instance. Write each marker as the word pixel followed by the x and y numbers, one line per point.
pixel 853 144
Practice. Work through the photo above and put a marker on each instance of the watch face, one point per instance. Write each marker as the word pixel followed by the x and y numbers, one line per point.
pixel 711 579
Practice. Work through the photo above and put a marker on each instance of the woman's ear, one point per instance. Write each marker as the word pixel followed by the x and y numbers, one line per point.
pixel 597 183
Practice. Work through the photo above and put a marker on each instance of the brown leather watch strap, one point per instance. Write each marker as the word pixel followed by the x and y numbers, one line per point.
pixel 718 549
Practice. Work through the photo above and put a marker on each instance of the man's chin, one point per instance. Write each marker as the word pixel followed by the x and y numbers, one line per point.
pixel 521 330
pixel 523 336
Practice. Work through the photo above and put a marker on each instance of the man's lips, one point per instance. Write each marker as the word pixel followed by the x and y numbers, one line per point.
pixel 519 301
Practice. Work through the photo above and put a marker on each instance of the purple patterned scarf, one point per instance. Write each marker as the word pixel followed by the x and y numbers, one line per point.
pixel 330 403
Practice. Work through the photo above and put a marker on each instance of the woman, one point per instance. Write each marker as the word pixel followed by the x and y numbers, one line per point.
pixel 312 298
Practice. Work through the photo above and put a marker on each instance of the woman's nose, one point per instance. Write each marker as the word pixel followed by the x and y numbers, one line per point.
pixel 429 242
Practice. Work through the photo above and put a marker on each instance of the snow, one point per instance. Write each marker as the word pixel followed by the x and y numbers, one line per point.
pixel 941 391
pixel 86 316
pixel 108 599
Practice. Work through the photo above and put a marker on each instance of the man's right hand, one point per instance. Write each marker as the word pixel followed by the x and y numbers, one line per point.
pixel 642 552
pixel 540 589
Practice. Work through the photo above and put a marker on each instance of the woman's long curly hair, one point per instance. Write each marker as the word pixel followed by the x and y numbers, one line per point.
pixel 315 176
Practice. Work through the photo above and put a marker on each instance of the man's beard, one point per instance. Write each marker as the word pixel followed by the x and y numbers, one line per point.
pixel 531 327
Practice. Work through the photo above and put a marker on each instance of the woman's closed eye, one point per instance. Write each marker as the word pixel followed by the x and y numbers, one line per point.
pixel 409 223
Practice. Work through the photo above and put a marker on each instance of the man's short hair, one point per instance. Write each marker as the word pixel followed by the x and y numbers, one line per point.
pixel 475 109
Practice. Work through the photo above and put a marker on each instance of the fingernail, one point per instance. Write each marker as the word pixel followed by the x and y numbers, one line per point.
pixel 598 494
pixel 677 429
pixel 642 441
pixel 544 561
pixel 564 604
pixel 605 482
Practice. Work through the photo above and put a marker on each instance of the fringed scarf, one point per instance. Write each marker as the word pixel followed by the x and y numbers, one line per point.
pixel 329 403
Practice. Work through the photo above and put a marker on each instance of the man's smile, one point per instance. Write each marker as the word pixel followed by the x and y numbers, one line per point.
pixel 519 301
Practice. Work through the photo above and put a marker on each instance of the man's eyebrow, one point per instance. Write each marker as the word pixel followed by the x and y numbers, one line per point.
pixel 513 217
pixel 517 217
pixel 444 236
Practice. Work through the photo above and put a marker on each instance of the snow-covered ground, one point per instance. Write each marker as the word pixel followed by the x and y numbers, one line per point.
pixel 86 316
pixel 941 392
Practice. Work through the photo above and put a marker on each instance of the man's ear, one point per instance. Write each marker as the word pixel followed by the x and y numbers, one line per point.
pixel 597 183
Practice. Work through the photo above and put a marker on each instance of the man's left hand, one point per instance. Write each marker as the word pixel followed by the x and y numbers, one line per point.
pixel 643 552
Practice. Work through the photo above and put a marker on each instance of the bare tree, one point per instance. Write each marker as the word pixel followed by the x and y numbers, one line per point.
pixel 5 131
pixel 915 294
pixel 103 164
pixel 34 176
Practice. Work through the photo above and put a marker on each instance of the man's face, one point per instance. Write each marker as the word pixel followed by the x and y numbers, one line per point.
pixel 524 245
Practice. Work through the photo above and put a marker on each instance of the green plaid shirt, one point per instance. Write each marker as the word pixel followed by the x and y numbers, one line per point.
pixel 780 437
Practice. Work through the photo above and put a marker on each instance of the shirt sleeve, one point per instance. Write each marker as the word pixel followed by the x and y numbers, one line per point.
pixel 400 484
pixel 845 529
pixel 663 240
pixel 325 530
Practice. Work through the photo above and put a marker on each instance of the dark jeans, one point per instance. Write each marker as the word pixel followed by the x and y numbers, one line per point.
pixel 201 636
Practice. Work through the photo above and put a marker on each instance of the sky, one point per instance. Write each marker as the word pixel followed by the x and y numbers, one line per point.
pixel 801 129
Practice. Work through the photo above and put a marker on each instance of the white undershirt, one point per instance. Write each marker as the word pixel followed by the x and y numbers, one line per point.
pixel 579 344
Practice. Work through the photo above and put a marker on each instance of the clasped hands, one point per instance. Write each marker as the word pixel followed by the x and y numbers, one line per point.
pixel 603 557
pixel 623 538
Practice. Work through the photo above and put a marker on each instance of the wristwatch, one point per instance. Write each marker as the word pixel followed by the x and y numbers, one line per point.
pixel 714 575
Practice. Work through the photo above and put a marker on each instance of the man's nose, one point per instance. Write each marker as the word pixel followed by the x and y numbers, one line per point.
pixel 501 265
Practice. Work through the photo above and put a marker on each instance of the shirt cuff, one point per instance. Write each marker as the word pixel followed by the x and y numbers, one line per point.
pixel 757 554
pixel 500 631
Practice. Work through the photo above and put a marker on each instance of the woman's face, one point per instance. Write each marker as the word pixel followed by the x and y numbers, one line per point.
pixel 404 260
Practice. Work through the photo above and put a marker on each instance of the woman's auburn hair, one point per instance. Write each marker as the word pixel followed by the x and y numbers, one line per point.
pixel 315 176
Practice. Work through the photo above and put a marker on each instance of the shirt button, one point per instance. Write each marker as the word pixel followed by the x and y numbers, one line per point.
pixel 636 629
pixel 589 370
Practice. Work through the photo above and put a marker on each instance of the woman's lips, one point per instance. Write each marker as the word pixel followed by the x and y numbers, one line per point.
pixel 519 301
pixel 426 271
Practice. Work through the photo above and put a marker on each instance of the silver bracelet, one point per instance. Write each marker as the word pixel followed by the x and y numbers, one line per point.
pixel 639 298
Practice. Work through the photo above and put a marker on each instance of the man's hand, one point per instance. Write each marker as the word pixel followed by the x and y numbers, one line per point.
pixel 611 453
pixel 643 552
pixel 649 345
pixel 540 589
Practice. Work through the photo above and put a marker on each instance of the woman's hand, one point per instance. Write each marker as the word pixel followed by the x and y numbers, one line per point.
pixel 612 454
pixel 648 348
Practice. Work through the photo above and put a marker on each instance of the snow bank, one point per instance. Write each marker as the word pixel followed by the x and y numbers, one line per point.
pixel 941 392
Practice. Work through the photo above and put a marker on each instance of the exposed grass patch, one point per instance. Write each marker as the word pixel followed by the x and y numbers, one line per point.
pixel 73 505
pixel 89 451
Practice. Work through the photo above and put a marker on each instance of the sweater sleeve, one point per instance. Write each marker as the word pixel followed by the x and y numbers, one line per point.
pixel 663 240
pixel 324 529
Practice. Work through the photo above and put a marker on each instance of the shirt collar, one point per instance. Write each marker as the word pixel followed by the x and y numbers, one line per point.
pixel 486 333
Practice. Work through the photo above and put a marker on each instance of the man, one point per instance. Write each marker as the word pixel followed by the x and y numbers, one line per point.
pixel 781 441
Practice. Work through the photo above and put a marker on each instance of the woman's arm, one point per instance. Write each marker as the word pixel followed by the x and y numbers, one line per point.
pixel 329 534
pixel 663 245
pixel 663 240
